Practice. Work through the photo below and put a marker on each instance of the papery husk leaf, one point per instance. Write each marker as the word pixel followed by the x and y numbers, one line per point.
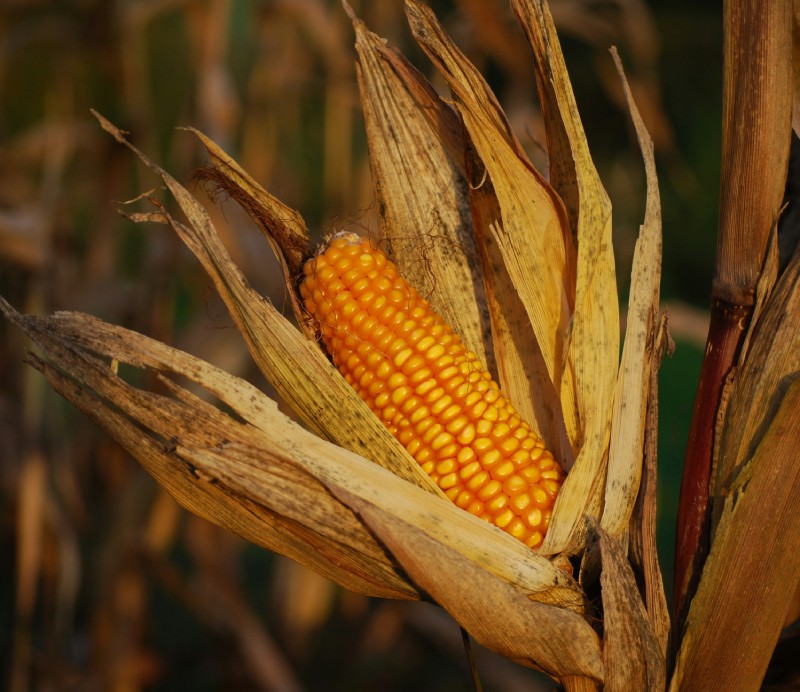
pixel 521 370
pixel 283 226
pixel 572 170
pixel 626 448
pixel 276 483
pixel 420 186
pixel 238 475
pixel 772 358
pixel 295 366
pixel 497 615
pixel 593 349
pixel 632 655
pixel 643 545
pixel 533 239
pixel 753 566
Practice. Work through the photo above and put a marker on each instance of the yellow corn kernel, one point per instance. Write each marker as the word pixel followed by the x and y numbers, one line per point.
pixel 429 389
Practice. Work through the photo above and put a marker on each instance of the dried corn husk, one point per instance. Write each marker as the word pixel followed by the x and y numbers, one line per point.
pixel 633 384
pixel 264 477
pixel 417 160
pixel 523 268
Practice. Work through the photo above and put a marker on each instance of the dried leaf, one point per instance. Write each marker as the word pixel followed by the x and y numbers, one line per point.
pixel 241 476
pixel 498 615
pixel 593 349
pixel 283 227
pixel 297 369
pixel 632 655
pixel 261 475
pixel 633 384
pixel 417 162
pixel 643 546
pixel 773 359
pixel 757 544
pixel 572 171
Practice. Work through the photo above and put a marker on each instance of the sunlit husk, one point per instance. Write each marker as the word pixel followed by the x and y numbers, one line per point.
pixel 633 383
pixel 417 162
pixel 594 338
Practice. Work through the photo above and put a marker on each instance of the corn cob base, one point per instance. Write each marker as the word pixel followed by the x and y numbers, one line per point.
pixel 431 392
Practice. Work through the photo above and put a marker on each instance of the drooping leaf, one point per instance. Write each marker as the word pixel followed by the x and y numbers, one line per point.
pixel 295 366
pixel 238 474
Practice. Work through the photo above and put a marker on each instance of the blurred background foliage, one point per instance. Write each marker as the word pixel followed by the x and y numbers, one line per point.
pixel 106 584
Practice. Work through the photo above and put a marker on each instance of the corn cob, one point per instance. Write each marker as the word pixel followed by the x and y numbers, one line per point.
pixel 431 392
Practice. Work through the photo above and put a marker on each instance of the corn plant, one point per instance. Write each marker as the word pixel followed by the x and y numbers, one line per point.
pixel 527 483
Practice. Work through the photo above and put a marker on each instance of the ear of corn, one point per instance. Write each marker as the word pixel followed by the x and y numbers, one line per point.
pixel 429 389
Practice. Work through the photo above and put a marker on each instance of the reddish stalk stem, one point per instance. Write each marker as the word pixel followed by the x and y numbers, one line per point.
pixel 725 333
pixel 756 120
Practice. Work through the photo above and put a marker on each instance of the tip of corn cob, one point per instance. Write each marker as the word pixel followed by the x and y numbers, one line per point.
pixel 431 392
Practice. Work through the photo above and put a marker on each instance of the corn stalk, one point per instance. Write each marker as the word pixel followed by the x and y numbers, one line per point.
pixel 740 474
pixel 756 136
